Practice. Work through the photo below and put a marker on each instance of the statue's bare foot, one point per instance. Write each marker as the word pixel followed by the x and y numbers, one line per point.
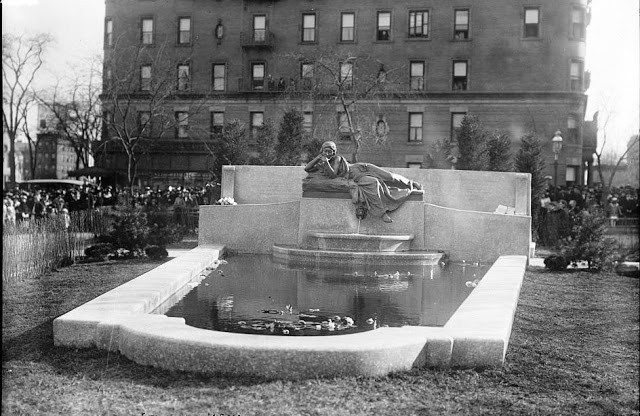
pixel 386 218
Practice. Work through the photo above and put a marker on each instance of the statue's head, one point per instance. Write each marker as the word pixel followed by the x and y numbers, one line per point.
pixel 329 149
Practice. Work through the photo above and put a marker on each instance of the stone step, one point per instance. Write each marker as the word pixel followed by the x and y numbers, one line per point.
pixel 289 254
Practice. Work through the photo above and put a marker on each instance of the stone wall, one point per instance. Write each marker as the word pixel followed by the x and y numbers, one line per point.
pixel 456 216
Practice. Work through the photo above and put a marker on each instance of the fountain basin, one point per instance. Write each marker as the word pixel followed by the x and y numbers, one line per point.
pixel 323 240
pixel 477 334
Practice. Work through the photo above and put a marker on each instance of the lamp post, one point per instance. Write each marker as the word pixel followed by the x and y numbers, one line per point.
pixel 556 143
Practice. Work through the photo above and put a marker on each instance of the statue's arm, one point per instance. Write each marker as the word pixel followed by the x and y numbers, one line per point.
pixel 312 164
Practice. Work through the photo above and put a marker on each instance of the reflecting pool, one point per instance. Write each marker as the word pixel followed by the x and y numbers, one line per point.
pixel 252 294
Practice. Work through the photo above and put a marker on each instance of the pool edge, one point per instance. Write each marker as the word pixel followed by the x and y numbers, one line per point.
pixel 477 335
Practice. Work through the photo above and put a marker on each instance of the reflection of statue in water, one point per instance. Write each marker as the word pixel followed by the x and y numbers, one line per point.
pixel 371 187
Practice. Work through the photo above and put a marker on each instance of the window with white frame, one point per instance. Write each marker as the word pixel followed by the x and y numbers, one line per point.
pixel 182 124
pixel 417 75
pixel 147 31
pixel 531 22
pixel 456 123
pixel 346 74
pixel 419 24
pixel 572 128
pixel 257 75
pixel 576 75
pixel 347 27
pixel 307 121
pixel 415 127
pixel 259 28
pixel 383 26
pixel 217 122
pixel 218 72
pixel 460 75
pixel 461 24
pixel 144 123
pixel 145 77
pixel 184 30
pixel 108 32
pixel 184 77
pixel 344 131
pixel 306 75
pixel 577 23
pixel 257 119
pixel 308 27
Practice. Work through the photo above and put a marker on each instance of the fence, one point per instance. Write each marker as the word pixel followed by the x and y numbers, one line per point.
pixel 29 248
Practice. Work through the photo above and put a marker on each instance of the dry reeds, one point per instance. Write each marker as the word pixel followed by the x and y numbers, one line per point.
pixel 29 248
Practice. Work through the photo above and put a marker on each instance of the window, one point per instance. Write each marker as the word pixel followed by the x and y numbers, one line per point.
pixel 108 77
pixel 259 28
pixel 459 75
pixel 307 121
pixel 415 127
pixel 218 73
pixel 417 75
pixel 461 24
pixel 571 174
pixel 384 26
pixel 414 165
pixel 145 78
pixel 257 76
pixel 347 27
pixel 531 22
pixel 576 75
pixel 419 24
pixel 257 118
pixel 217 122
pixel 182 124
pixel 577 23
pixel 184 77
pixel 144 123
pixel 346 74
pixel 344 131
pixel 147 31
pixel 306 75
pixel 108 32
pixel 381 128
pixel 456 123
pixel 572 128
pixel 308 27
pixel 184 30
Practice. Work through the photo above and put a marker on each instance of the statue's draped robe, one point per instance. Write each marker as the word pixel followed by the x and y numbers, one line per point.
pixel 378 189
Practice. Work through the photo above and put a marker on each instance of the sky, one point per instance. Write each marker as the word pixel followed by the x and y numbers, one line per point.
pixel 612 57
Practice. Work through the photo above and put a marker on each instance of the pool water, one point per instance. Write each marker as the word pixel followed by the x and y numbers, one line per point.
pixel 252 294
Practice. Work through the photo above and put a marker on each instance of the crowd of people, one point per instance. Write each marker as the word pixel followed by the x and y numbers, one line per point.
pixel 559 204
pixel 23 205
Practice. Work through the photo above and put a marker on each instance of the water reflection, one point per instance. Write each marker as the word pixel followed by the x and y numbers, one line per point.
pixel 254 295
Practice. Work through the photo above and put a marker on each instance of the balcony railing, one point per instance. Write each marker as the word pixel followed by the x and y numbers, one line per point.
pixel 257 39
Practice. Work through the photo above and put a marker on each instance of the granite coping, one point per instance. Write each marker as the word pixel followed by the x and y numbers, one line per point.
pixel 121 320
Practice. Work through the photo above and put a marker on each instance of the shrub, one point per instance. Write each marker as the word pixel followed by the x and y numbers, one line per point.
pixel 156 252
pixel 556 262
pixel 289 146
pixel 588 241
pixel 130 230
pixel 162 231
pixel 529 160
pixel 99 251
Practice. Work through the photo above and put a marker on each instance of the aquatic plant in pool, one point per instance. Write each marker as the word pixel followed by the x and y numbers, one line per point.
pixel 252 294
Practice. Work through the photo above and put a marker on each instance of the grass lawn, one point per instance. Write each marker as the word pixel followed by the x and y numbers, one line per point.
pixel 573 351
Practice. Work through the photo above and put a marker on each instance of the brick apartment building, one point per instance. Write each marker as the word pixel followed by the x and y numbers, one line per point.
pixel 516 64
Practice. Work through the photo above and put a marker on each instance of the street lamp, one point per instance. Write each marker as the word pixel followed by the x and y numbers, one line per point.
pixel 556 143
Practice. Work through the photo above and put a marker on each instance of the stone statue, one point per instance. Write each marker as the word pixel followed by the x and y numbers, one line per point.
pixel 372 188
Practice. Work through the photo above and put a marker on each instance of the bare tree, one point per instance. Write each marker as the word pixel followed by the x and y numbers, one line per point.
pixel 352 83
pixel 33 144
pixel 76 111
pixel 141 86
pixel 21 59
pixel 606 156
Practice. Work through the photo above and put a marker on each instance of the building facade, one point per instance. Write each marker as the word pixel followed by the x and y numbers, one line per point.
pixel 413 70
